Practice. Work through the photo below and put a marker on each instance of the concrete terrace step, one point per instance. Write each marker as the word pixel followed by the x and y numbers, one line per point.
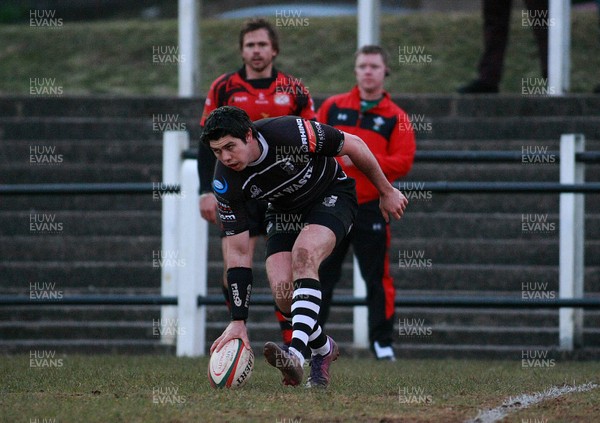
pixel 83 203
pixel 489 128
pixel 99 106
pixel 510 251
pixel 476 225
pixel 68 329
pixel 33 173
pixel 500 278
pixel 460 317
pixel 420 202
pixel 85 313
pixel 414 224
pixel 117 151
pixel 427 104
pixel 91 223
pixel 518 172
pixel 90 276
pixel 531 128
pixel 53 247
pixel 95 277
pixel 74 128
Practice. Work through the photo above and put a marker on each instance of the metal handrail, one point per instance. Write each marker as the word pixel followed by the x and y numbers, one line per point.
pixel 340 300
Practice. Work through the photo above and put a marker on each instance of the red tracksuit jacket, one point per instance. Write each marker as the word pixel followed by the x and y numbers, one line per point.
pixel 385 128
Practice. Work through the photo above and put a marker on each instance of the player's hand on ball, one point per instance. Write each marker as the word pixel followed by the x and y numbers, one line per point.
pixel 392 204
pixel 235 329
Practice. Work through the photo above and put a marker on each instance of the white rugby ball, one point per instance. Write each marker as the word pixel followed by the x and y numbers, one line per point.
pixel 232 366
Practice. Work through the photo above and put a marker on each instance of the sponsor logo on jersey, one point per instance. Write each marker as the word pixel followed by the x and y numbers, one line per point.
pixel 320 131
pixel 302 131
pixel 377 122
pixel 255 191
pixel 240 98
pixel 330 201
pixel 282 99
pixel 227 217
pixel 307 134
pixel 288 167
pixel 220 187
pixel 261 99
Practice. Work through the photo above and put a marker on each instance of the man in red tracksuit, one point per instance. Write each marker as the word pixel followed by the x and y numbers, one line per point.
pixel 261 91
pixel 368 112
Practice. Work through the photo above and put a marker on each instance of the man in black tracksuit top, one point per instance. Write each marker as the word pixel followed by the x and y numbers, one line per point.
pixel 288 161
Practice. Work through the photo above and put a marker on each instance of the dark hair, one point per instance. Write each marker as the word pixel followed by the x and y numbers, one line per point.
pixel 259 23
pixel 374 49
pixel 227 120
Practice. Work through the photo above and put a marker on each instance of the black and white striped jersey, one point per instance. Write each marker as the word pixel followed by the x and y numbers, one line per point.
pixel 296 165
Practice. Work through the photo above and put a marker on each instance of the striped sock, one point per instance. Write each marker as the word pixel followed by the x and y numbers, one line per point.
pixel 317 342
pixel 306 303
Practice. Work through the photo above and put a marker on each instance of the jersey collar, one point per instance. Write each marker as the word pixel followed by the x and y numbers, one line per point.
pixel 265 149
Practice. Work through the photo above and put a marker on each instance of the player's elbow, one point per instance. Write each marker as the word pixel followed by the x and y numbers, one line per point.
pixel 353 145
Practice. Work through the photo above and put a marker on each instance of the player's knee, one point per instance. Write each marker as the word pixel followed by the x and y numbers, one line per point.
pixel 303 260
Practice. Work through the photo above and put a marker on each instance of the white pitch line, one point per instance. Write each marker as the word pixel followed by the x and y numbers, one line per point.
pixel 527 400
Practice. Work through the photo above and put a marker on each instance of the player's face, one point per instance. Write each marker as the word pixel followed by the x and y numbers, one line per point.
pixel 233 152
pixel 370 72
pixel 257 52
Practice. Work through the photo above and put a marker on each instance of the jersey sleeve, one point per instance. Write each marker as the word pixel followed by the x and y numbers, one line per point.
pixel 230 203
pixel 323 140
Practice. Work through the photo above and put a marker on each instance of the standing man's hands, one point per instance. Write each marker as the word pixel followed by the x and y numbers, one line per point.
pixel 208 207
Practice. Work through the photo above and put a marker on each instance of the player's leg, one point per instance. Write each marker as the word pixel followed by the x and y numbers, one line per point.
pixel 371 246
pixel 330 220
pixel 330 274
pixel 301 297
pixel 256 212
pixel 279 273
pixel 324 224
pixel 313 245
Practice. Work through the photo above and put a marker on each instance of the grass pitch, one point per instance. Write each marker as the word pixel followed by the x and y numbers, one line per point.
pixel 170 389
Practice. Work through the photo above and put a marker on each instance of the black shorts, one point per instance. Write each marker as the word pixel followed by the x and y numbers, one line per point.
pixel 255 215
pixel 335 209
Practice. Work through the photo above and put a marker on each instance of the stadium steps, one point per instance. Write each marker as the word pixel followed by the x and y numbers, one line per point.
pixel 475 243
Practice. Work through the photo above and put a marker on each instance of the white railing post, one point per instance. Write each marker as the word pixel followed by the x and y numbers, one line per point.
pixel 189 39
pixel 361 313
pixel 368 17
pixel 559 45
pixel 174 144
pixel 193 243
pixel 571 261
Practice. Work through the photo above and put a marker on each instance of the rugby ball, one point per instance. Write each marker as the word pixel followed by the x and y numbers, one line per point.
pixel 232 366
